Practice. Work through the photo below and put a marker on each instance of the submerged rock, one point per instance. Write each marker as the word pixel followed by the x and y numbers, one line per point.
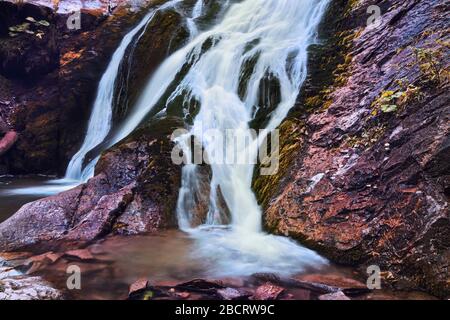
pixel 233 294
pixel 267 291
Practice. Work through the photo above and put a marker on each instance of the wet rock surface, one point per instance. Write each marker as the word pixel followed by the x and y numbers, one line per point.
pixel 367 183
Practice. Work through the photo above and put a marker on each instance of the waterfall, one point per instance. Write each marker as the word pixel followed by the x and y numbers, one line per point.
pixel 274 36
pixel 255 38
pixel 196 13
pixel 100 121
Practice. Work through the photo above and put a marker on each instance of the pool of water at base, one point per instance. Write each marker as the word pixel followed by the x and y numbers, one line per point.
pixel 164 258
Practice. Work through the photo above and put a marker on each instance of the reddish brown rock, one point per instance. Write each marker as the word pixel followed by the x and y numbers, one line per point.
pixel 80 254
pixel 233 294
pixel 50 257
pixel 332 280
pixel 182 295
pixel 100 219
pixel 138 286
pixel 8 141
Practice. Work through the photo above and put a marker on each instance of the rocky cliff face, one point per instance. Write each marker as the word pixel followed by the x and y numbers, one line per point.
pixel 364 175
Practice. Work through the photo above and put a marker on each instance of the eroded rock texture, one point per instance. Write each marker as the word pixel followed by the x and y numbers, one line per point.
pixel 366 178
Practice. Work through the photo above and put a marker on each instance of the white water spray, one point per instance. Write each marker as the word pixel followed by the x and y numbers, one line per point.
pixel 274 35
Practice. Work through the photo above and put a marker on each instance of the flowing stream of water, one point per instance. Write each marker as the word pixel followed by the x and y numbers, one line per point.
pixel 100 122
pixel 196 13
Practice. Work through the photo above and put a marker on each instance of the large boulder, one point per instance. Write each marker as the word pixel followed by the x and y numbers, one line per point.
pixel 135 190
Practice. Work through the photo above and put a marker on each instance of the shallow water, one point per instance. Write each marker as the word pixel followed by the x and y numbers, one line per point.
pixel 166 258
pixel 17 191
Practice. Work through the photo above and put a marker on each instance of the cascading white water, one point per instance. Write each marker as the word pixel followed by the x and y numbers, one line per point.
pixel 100 122
pixel 275 35
pixel 196 13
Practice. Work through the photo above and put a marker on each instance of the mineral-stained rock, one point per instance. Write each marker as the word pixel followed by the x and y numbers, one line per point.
pixel 367 187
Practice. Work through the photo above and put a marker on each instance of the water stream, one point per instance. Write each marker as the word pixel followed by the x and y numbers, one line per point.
pixel 80 169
